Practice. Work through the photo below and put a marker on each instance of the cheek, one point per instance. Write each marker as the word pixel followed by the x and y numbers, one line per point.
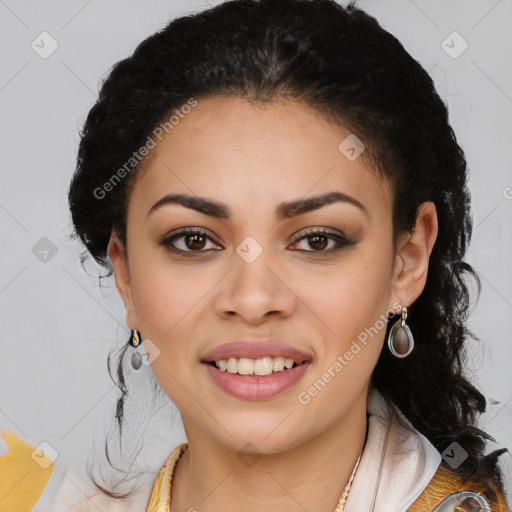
pixel 168 297
pixel 169 311
pixel 352 305
pixel 350 297
pixel 167 307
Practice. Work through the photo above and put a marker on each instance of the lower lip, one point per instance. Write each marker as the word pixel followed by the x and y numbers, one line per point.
pixel 254 387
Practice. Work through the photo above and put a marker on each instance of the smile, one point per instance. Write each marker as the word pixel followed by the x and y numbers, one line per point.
pixel 259 379
pixel 261 367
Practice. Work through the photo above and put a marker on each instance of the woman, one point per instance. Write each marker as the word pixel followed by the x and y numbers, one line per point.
pixel 283 203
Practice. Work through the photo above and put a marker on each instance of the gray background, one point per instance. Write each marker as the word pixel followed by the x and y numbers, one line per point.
pixel 57 326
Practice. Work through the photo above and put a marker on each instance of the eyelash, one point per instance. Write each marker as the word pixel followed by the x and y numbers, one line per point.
pixel 340 239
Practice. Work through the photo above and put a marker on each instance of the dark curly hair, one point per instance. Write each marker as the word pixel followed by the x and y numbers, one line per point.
pixel 340 61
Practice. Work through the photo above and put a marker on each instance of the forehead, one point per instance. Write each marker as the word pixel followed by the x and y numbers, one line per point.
pixel 239 151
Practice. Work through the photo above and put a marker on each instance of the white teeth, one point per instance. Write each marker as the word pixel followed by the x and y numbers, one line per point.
pixel 277 364
pixel 263 366
pixel 231 365
pixel 247 366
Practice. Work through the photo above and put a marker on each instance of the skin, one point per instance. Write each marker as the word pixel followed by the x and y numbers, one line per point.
pixel 253 157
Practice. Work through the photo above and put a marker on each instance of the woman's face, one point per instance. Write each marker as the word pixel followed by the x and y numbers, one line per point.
pixel 254 274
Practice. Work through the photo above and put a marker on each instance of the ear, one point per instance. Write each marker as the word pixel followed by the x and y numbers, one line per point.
pixel 413 253
pixel 118 256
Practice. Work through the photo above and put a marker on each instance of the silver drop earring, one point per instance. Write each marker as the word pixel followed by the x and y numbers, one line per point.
pixel 400 340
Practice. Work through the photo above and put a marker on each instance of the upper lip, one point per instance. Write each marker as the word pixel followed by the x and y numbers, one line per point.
pixel 256 349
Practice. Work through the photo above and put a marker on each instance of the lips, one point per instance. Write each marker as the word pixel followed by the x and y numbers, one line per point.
pixel 256 388
pixel 256 349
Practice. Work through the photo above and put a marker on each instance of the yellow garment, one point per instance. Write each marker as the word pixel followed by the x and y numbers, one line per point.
pixel 161 493
pixel 446 482
pixel 24 473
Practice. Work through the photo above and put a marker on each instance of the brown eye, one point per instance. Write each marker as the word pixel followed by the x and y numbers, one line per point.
pixel 187 241
pixel 196 242
pixel 318 240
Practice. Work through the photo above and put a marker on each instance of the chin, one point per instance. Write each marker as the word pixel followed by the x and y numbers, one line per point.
pixel 256 436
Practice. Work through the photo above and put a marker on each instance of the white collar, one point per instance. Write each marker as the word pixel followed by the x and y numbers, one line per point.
pixel 396 465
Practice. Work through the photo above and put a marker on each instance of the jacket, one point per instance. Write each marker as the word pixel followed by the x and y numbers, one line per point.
pixel 399 471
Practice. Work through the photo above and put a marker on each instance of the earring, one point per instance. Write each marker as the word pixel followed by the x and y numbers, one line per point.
pixel 134 338
pixel 134 341
pixel 400 340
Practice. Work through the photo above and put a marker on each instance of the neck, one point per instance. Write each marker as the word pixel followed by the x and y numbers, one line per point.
pixel 210 477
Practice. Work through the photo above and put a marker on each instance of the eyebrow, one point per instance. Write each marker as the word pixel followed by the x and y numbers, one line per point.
pixel 285 210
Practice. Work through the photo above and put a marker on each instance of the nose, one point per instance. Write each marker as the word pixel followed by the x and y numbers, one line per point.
pixel 255 290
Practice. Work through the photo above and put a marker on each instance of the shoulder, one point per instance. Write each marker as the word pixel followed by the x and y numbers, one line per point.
pixel 448 490
pixel 24 473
